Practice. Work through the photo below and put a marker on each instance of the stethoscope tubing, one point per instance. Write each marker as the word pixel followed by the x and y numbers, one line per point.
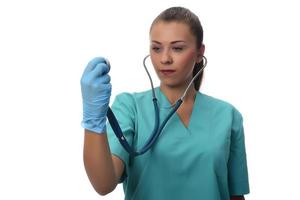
pixel 157 128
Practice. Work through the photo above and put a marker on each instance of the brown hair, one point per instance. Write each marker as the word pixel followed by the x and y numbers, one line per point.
pixel 181 14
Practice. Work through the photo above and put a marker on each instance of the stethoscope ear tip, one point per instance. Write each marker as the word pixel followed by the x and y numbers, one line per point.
pixel 107 62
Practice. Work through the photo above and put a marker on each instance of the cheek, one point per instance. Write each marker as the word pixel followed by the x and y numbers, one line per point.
pixel 188 59
pixel 154 60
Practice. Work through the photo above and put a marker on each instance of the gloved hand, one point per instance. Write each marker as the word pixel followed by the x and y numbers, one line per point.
pixel 96 91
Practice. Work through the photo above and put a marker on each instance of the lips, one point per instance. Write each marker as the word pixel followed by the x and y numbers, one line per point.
pixel 167 72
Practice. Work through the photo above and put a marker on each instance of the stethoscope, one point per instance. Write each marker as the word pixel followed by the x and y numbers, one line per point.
pixel 157 128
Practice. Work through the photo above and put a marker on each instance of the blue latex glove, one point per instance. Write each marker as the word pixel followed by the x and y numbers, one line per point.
pixel 96 91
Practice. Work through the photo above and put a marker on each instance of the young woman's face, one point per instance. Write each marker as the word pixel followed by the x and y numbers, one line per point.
pixel 174 52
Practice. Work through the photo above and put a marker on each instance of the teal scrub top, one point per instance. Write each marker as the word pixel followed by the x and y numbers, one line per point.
pixel 205 160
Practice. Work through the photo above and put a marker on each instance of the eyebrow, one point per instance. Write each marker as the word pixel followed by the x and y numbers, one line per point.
pixel 173 42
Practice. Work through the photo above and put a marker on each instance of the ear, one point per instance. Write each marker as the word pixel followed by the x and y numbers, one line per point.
pixel 200 53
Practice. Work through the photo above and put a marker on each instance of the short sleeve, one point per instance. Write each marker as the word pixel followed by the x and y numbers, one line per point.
pixel 123 108
pixel 237 163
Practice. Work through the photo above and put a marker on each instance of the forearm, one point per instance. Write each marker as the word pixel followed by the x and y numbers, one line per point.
pixel 98 162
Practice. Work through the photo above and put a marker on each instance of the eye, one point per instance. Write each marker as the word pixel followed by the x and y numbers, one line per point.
pixel 177 49
pixel 156 49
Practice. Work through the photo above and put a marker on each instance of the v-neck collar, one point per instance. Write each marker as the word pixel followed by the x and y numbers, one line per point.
pixel 165 106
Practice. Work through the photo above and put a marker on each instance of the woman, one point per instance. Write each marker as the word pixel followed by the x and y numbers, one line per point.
pixel 200 153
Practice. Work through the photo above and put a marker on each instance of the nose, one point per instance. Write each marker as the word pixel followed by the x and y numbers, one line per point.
pixel 166 57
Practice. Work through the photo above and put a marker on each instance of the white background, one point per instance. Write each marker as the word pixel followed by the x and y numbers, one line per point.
pixel 252 49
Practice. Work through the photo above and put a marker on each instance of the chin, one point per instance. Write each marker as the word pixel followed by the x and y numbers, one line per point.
pixel 170 84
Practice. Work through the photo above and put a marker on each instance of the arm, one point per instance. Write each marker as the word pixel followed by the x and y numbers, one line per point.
pixel 237 198
pixel 237 164
pixel 103 169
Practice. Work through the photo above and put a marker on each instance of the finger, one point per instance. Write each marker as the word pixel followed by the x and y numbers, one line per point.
pixel 100 69
pixel 93 63
pixel 102 80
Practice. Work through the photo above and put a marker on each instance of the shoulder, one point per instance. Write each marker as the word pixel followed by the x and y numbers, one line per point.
pixel 221 106
pixel 132 99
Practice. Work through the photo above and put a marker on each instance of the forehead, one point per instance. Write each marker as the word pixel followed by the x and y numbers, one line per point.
pixel 171 31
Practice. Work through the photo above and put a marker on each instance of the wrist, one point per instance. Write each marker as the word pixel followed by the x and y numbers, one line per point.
pixel 95 125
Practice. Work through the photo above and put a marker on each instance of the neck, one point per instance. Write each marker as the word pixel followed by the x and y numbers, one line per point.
pixel 174 93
